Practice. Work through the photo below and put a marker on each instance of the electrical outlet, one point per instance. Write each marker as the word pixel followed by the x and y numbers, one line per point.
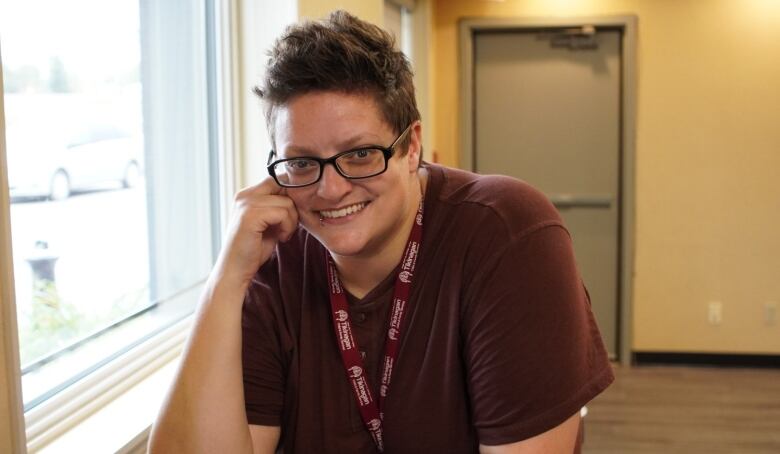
pixel 715 313
pixel 770 313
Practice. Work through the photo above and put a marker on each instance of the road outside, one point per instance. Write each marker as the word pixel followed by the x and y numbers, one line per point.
pixel 101 241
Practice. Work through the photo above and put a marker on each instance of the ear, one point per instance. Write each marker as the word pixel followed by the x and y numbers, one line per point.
pixel 414 152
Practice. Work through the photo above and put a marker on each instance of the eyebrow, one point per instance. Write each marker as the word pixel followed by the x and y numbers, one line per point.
pixel 355 142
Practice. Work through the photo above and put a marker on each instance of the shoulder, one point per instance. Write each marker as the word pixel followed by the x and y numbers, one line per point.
pixel 508 205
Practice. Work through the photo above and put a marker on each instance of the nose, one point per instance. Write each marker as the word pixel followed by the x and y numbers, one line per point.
pixel 332 186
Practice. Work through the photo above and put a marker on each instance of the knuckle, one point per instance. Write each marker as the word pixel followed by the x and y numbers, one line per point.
pixel 241 195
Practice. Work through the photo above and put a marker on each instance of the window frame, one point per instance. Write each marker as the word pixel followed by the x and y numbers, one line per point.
pixel 12 437
pixel 46 422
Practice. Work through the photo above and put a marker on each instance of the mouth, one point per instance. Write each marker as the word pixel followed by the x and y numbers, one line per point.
pixel 342 212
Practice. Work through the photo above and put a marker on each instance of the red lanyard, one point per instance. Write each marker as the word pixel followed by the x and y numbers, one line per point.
pixel 371 412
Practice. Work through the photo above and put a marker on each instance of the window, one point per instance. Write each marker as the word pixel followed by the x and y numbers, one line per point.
pixel 114 176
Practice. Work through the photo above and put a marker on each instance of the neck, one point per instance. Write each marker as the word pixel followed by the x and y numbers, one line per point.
pixel 360 274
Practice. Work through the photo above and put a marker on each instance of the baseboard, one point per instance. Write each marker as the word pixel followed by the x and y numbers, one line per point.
pixel 707 359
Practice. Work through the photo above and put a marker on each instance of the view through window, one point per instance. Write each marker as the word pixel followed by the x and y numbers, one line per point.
pixel 111 176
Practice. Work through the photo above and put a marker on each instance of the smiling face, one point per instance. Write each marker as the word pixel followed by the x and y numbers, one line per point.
pixel 352 218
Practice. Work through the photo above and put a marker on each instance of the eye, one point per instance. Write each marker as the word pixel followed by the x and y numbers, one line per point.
pixel 362 155
pixel 300 165
pixel 358 155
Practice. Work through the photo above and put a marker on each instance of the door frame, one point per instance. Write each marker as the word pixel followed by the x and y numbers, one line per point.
pixel 627 25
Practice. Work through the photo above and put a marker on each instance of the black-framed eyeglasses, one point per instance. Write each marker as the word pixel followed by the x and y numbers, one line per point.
pixel 357 163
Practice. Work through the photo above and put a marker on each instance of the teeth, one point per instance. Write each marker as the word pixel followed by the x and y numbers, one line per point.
pixel 346 211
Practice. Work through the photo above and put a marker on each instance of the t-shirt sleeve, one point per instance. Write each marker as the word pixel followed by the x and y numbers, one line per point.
pixel 262 359
pixel 533 352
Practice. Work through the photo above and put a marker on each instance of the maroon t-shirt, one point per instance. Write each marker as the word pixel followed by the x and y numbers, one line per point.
pixel 500 343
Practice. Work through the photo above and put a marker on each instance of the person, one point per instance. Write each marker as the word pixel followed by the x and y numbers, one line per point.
pixel 365 301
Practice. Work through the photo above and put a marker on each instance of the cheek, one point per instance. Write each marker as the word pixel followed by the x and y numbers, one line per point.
pixel 300 198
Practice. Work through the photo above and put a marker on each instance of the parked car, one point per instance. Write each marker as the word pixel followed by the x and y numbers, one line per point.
pixel 97 157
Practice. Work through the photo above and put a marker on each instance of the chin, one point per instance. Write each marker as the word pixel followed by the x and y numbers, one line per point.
pixel 345 251
pixel 345 244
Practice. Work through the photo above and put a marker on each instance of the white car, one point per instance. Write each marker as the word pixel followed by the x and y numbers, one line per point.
pixel 101 156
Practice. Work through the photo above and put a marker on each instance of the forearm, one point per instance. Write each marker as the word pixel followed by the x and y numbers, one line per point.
pixel 205 410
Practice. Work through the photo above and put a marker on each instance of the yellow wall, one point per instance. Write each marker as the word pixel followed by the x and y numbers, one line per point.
pixel 707 154
pixel 369 10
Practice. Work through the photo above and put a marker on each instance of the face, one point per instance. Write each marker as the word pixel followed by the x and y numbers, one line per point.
pixel 352 218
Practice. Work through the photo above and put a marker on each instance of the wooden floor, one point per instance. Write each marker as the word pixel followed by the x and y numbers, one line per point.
pixel 664 409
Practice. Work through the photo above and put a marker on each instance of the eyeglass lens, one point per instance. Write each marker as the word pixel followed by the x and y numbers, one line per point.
pixel 355 164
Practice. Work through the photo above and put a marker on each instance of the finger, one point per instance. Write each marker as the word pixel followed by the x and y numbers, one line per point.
pixel 289 230
pixel 289 224
pixel 282 201
pixel 267 201
pixel 279 221
pixel 267 186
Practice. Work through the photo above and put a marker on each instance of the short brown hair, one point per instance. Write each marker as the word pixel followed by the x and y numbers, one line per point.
pixel 340 53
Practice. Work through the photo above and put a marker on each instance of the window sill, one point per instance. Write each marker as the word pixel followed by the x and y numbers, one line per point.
pixel 120 410
pixel 123 423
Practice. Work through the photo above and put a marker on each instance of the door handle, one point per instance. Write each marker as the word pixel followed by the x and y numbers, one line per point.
pixel 581 201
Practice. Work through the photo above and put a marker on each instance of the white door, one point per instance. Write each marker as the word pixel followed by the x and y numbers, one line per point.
pixel 547 111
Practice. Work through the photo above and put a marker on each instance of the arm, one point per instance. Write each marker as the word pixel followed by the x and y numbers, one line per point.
pixel 532 347
pixel 204 411
pixel 558 440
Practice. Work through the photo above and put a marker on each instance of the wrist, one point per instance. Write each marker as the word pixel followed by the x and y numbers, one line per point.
pixel 223 281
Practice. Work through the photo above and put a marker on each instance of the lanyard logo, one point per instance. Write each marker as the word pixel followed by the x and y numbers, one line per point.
pixel 355 371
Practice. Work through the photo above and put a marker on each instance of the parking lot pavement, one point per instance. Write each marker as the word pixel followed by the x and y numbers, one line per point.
pixel 100 239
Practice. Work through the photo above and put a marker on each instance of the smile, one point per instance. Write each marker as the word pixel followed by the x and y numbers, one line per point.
pixel 341 212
